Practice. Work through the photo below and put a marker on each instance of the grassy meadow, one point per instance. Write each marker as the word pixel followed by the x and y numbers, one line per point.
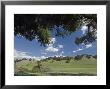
pixel 83 67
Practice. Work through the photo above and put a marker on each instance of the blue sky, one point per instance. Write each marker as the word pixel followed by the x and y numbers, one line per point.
pixel 58 46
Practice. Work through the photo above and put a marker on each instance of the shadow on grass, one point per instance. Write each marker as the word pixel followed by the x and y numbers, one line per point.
pixel 71 74
pixel 25 74
pixel 55 74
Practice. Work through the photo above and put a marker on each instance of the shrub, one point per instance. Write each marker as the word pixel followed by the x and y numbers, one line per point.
pixel 41 69
pixel 36 69
pixel 78 57
pixel 21 71
pixel 67 61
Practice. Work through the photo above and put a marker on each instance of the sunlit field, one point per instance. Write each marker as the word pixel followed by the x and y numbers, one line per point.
pixel 83 67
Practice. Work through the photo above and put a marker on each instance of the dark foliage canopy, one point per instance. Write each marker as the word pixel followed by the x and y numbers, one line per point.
pixel 39 26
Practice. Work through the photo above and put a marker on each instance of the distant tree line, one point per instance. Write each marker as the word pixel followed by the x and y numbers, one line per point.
pixel 66 58
pixel 79 57
pixel 21 59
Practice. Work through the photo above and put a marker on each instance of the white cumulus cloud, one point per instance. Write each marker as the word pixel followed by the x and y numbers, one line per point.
pixel 74 51
pixel 84 29
pixel 43 57
pixel 52 40
pixel 60 46
pixel 51 49
pixel 88 45
pixel 62 52
pixel 21 54
pixel 79 49
pixel 83 47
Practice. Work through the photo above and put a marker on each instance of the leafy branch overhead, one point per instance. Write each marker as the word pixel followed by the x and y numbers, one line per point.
pixel 39 26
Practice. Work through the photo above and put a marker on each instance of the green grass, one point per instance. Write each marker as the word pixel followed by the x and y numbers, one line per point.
pixel 81 67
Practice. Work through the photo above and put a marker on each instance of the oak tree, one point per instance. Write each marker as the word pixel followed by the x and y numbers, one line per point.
pixel 39 26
